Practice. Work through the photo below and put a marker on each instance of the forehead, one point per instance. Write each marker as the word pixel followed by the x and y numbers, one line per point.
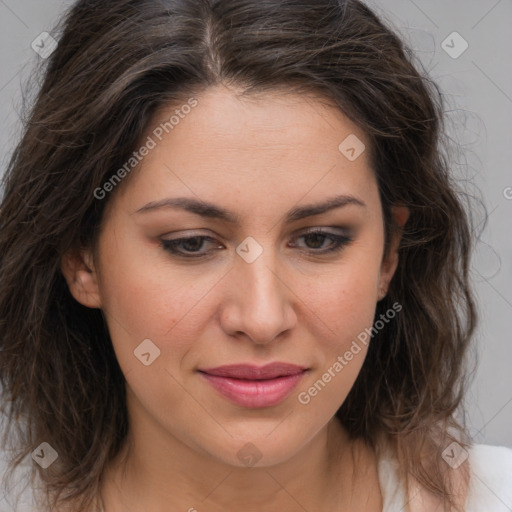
pixel 273 146
pixel 223 120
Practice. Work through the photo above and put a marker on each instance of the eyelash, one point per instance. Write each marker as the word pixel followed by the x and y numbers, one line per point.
pixel 340 241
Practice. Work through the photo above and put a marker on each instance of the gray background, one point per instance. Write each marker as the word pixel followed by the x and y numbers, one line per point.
pixel 478 90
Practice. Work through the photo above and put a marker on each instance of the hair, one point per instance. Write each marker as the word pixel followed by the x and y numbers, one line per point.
pixel 117 63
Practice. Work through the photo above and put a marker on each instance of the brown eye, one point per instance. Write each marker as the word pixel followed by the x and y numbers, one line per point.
pixel 189 247
pixel 315 240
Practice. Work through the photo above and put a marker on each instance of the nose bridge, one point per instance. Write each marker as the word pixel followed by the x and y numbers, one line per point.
pixel 262 308
pixel 261 285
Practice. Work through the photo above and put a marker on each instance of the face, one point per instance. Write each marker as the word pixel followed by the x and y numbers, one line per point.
pixel 246 236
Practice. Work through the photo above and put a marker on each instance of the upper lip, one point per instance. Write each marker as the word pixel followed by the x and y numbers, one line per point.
pixel 253 372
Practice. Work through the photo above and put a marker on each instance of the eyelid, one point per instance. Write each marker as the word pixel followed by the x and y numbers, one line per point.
pixel 301 232
pixel 323 229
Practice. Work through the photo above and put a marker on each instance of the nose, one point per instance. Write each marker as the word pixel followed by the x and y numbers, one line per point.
pixel 259 301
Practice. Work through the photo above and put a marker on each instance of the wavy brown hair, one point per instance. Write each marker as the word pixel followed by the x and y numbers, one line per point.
pixel 119 61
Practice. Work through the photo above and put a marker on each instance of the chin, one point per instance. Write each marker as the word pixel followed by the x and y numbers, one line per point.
pixel 263 449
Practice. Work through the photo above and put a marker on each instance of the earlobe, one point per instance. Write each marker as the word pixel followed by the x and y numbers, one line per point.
pixel 400 216
pixel 81 277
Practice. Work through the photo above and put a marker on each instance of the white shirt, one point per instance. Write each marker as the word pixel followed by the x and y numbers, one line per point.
pixel 490 486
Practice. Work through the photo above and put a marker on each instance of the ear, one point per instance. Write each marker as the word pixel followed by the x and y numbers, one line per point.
pixel 78 270
pixel 400 216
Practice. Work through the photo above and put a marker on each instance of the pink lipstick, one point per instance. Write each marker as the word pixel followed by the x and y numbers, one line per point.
pixel 252 386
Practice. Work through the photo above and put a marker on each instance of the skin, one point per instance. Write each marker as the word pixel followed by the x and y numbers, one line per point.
pixel 272 152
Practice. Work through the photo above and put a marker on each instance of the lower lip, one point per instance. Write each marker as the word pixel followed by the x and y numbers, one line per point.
pixel 255 393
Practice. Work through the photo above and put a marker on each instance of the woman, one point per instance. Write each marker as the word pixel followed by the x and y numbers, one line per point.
pixel 235 269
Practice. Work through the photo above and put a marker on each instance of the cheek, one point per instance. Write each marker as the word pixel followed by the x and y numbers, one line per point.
pixel 144 298
pixel 342 308
pixel 345 299
pixel 346 310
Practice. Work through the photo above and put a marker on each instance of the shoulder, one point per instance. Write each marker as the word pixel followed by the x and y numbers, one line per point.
pixel 15 491
pixel 490 486
pixel 490 481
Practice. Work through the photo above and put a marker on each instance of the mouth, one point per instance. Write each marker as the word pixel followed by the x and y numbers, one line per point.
pixel 252 386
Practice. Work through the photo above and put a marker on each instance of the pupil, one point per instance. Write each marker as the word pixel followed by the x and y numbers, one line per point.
pixel 318 238
pixel 191 245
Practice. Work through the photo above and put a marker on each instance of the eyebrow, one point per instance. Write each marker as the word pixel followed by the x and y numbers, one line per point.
pixel 209 210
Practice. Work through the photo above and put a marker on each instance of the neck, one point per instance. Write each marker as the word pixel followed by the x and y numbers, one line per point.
pixel 157 472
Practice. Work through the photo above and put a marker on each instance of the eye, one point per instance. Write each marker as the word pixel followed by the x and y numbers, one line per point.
pixel 189 247
pixel 315 241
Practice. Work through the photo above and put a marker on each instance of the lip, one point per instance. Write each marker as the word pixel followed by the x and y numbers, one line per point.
pixel 252 386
